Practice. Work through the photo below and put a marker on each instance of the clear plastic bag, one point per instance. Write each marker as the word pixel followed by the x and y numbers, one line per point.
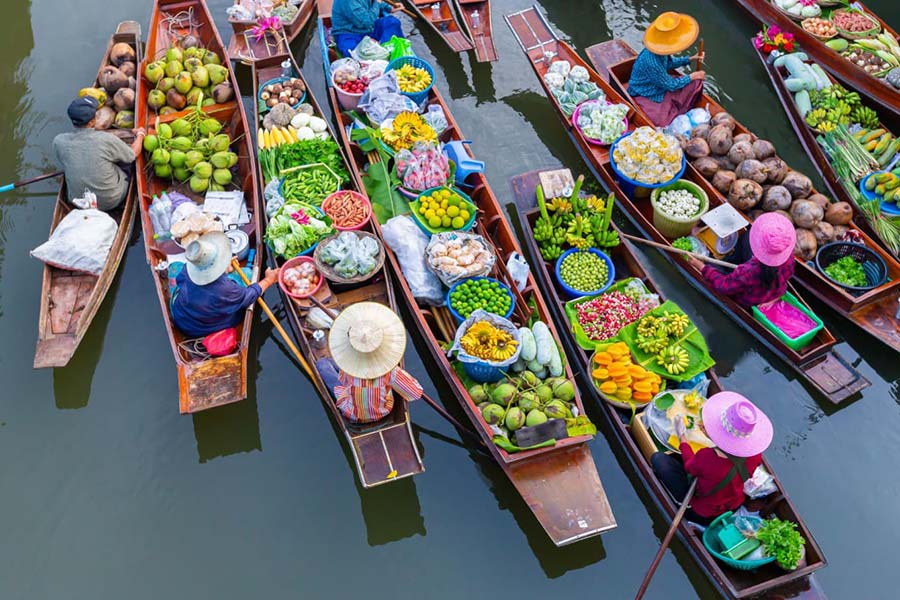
pixel 698 116
pixel 274 199
pixel 422 167
pixel 495 320
pixel 455 255
pixel 436 118
pixel 518 269
pixel 368 50
pixel 404 237
pixel 680 126
pixel 579 73
pixel 373 70
pixel 345 65
pixel 760 484
pixel 554 80
pixel 80 242
pixel 382 100
pixel 560 67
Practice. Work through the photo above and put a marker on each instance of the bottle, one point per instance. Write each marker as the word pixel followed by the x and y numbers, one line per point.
pixel 476 20
pixel 165 212
pixel 154 216
pixel 436 11
pixel 286 69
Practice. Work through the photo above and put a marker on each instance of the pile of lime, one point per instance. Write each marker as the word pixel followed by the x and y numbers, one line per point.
pixel 445 208
pixel 485 294
pixel 584 271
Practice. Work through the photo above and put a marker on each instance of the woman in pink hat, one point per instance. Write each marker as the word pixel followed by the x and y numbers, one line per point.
pixel 741 432
pixel 765 276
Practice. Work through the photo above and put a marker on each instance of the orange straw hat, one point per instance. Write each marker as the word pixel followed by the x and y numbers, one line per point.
pixel 671 33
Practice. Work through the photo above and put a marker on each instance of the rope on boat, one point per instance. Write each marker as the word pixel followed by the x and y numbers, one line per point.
pixel 195 349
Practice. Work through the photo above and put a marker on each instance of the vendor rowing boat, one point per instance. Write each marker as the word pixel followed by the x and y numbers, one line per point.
pixel 383 450
pixel 817 362
pixel 556 479
pixel 204 381
pixel 441 16
pixel 831 56
pixel 632 431
pixel 476 16
pixel 872 308
pixel 254 37
pixel 70 299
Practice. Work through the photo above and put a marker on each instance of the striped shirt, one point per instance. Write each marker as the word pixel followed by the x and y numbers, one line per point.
pixel 650 75
pixel 367 400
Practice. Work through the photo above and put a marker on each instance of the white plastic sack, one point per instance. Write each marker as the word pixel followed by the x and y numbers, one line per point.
pixel 80 242
pixel 518 269
pixel 761 484
pixel 408 242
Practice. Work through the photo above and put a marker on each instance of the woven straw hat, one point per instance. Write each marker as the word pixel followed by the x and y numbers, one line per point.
pixel 671 33
pixel 208 257
pixel 367 340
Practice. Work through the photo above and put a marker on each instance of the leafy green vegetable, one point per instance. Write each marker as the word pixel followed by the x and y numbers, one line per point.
pixel 781 540
pixel 288 237
pixel 380 183
pixel 847 270
pixel 307 152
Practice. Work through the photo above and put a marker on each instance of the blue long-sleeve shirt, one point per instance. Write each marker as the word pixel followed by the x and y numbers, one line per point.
pixel 199 310
pixel 356 16
pixel 650 75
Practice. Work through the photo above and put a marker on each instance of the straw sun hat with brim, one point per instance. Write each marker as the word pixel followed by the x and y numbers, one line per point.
pixel 671 33
pixel 735 425
pixel 367 340
pixel 208 257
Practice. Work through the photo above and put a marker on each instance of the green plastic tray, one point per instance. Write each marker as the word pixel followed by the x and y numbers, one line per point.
pixel 793 343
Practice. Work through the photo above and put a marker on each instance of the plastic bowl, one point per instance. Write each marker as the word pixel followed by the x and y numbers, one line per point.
pixel 347 100
pixel 426 228
pixel 359 198
pixel 262 104
pixel 591 140
pixel 572 292
pixel 293 263
pixel 459 318
pixel 629 185
pixel 309 250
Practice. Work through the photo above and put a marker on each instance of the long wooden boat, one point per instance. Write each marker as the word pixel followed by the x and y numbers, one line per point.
pixel 444 22
pixel 877 89
pixel 808 140
pixel 476 16
pixel 875 311
pixel 560 484
pixel 733 583
pixel 817 363
pixel 245 47
pixel 383 451
pixel 203 382
pixel 69 300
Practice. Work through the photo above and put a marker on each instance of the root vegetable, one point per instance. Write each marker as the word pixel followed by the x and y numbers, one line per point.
pixel 806 214
pixel 839 213
pixel 776 169
pixel 720 140
pixel 696 148
pixel 763 149
pixel 751 169
pixel 821 200
pixel 723 118
pixel 700 131
pixel 723 180
pixel 740 151
pixel 798 184
pixel 706 166
pixel 775 198
pixel 806 246
pixel 824 233
pixel 744 194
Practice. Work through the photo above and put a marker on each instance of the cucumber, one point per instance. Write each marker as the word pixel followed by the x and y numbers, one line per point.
pixel 838 44
pixel 804 105
pixel 779 62
pixel 795 84
pixel 821 78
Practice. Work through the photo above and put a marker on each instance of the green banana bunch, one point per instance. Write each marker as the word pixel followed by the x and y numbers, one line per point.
pixel 550 252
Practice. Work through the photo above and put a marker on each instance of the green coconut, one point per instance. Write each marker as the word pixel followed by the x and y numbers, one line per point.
pixel 174 67
pixel 222 176
pixel 211 58
pixel 154 72
pixel 529 378
pixel 165 84
pixel 174 53
pixel 215 187
pixel 199 184
pixel 181 127
pixel 192 158
pixel 163 171
pixel 164 131
pixel 555 409
pixel 177 158
pixel 232 159
pixel 564 390
pixel 220 143
pixel 217 73
pixel 183 82
pixel 182 143
pixel 192 63
pixel 167 110
pixel 503 394
pixel 203 169
pixel 483 405
pixel 210 126
pixel 193 96
pixel 528 401
pixel 544 393
pixel 151 143
pixel 477 392
pixel 156 99
pixel 515 418
pixel 181 174
pixel 160 156
pixel 194 52
pixel 535 417
pixel 493 414
pixel 208 102
pixel 200 77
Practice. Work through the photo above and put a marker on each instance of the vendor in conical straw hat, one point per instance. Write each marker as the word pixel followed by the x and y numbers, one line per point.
pixel 660 94
pixel 367 341
pixel 741 433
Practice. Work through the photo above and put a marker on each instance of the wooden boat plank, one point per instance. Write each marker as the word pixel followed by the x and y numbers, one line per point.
pixel 384 451
pixel 540 43
pixel 70 293
pixel 876 89
pixel 736 584
pixel 606 54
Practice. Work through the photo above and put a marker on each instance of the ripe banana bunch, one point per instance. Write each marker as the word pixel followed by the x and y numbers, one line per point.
pixel 676 324
pixel 413 79
pixel 674 359
pixel 560 205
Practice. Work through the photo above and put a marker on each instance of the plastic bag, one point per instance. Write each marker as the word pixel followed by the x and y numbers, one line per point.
pixel 372 70
pixel 80 242
pixel 398 47
pixel 761 484
pixel 518 269
pixel 579 73
pixel 184 210
pixel 382 100
pixel 698 116
pixel 788 318
pixel 680 126
pixel 87 200
pixel 350 65
pixel 368 50
pixel 436 118
pixel 636 290
pixel 422 167
pixel 554 80
pixel 455 255
pixel 495 320
pixel 274 199
pixel 404 237
pixel 560 67
pixel 221 343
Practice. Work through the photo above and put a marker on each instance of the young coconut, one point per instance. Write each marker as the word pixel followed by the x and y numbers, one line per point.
pixel 777 197
pixel 839 213
pixel 751 169
pixel 806 214
pixel 745 194
pixel 798 184
pixel 723 180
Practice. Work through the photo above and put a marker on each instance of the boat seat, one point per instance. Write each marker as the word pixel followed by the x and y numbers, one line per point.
pixel 465 164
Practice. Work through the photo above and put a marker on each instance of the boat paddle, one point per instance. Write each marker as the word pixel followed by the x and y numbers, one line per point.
pixel 665 543
pixel 284 335
pixel 405 10
pixel 673 249
pixel 11 186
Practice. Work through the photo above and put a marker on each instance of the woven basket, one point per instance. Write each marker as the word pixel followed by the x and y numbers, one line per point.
pixel 873 264
pixel 824 38
pixel 328 270
pixel 857 35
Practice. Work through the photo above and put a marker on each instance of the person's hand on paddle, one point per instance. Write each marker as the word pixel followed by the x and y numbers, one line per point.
pixel 270 278
pixel 699 57
pixel 701 75
pixel 696 263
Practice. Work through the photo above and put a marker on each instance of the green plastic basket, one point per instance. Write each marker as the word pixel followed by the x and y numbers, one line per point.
pixel 674 227
pixel 793 343
pixel 714 546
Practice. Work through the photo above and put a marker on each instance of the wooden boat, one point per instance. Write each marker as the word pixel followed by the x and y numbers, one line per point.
pixel 557 482
pixel 383 451
pixel 476 16
pixel 817 363
pixel 69 300
pixel 444 22
pixel 203 382
pixel 875 311
pixel 632 436
pixel 816 154
pixel 877 89
pixel 244 47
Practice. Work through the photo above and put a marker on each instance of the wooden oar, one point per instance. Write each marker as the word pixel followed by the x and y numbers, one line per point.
pixel 404 9
pixel 665 543
pixel 11 186
pixel 674 250
pixel 284 335
pixel 700 56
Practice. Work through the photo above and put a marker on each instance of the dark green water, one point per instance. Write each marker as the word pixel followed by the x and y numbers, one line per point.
pixel 109 493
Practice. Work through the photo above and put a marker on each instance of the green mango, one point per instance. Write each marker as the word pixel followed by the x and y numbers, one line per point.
pixel 201 77
pixel 154 72
pixel 174 53
pixel 183 82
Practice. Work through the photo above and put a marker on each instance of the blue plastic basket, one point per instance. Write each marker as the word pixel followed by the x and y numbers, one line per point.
pixel 712 544
pixel 888 208
pixel 629 185
pixel 414 61
pixel 459 318
pixel 482 372
pixel 572 292
pixel 309 250
pixel 262 105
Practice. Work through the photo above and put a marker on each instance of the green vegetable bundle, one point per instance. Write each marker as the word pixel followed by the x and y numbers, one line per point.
pixel 295 228
pixel 781 540
pixel 848 271
pixel 311 185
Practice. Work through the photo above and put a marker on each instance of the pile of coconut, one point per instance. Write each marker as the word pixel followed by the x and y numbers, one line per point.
pixel 748 172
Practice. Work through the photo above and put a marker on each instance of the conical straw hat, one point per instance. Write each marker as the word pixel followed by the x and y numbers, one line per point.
pixel 671 33
pixel 367 340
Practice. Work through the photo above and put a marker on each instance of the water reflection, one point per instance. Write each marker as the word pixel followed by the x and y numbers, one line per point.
pixel 483 81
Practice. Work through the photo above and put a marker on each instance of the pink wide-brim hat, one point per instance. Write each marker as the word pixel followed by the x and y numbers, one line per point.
pixel 735 425
pixel 772 239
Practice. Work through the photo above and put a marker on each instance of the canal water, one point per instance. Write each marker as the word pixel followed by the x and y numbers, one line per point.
pixel 107 492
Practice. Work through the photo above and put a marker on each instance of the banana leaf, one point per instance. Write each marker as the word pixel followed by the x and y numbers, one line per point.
pixel 692 341
pixel 380 183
